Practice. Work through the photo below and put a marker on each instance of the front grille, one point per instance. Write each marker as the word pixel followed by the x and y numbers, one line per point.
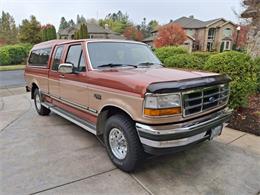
pixel 204 99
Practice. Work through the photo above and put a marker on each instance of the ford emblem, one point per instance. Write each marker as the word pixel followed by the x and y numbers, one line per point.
pixel 212 99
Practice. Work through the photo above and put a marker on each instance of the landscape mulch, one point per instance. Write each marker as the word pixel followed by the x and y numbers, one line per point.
pixel 247 119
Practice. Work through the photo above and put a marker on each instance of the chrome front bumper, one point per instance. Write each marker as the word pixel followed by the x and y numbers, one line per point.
pixel 179 135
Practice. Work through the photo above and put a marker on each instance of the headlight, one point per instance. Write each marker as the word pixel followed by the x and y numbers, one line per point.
pixel 162 104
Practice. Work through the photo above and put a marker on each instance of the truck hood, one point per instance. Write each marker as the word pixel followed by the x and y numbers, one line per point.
pixel 141 80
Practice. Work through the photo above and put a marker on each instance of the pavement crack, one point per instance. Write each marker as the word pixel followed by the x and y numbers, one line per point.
pixel 141 184
pixel 236 139
pixel 71 182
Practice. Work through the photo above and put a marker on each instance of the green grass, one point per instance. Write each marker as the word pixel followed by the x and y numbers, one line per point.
pixel 12 67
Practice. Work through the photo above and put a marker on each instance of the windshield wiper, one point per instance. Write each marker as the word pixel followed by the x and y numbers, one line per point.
pixel 150 63
pixel 115 65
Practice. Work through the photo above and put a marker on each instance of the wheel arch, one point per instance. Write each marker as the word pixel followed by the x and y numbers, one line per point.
pixel 34 86
pixel 108 111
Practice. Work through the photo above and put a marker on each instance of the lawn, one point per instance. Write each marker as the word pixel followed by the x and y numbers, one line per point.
pixel 12 67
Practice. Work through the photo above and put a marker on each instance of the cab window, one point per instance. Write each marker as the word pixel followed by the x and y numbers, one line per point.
pixel 39 57
pixel 76 58
pixel 57 58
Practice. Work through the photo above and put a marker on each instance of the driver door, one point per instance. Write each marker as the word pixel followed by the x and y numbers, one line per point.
pixel 73 87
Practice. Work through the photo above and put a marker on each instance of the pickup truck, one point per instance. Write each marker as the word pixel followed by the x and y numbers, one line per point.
pixel 121 92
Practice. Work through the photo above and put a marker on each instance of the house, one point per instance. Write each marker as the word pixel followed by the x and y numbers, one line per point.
pixel 211 35
pixel 94 31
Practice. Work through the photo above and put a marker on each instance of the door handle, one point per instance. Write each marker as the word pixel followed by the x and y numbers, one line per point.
pixel 61 76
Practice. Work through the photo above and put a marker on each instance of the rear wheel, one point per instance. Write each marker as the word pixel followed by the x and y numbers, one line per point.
pixel 38 104
pixel 122 142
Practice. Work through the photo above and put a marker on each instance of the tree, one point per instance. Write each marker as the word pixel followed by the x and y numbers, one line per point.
pixel 133 33
pixel 117 22
pixel 82 33
pixel 71 23
pixel 30 31
pixel 170 34
pixel 240 39
pixel 64 24
pixel 252 15
pixel 152 25
pixel 81 20
pixel 144 28
pixel 8 29
pixel 48 32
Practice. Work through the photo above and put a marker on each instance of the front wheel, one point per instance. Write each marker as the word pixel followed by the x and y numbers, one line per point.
pixel 122 142
pixel 41 110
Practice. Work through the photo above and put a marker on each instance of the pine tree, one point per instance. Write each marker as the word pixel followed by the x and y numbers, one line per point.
pixel 63 24
pixel 82 33
pixel 48 32
pixel 71 23
pixel 44 33
pixel 54 33
pixel 8 29
pixel 30 31
pixel 81 20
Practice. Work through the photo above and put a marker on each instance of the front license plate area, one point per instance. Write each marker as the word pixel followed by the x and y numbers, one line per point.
pixel 216 131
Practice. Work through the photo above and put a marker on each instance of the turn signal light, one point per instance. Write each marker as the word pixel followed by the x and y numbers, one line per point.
pixel 162 112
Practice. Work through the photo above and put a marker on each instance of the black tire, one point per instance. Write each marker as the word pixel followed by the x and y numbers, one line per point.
pixel 135 151
pixel 41 110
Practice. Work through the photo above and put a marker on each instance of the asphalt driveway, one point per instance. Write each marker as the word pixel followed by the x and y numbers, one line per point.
pixel 49 155
pixel 12 78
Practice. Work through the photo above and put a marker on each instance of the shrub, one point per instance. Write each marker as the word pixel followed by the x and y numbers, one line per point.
pixel 241 68
pixel 257 64
pixel 4 56
pixel 14 54
pixel 184 61
pixel 165 52
pixel 204 56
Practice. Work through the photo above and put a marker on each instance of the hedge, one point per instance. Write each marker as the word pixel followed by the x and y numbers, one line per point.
pixel 239 66
pixel 242 70
pixel 14 54
pixel 257 64
pixel 204 56
pixel 184 61
pixel 165 52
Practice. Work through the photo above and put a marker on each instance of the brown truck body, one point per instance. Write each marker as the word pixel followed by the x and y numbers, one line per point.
pixel 90 96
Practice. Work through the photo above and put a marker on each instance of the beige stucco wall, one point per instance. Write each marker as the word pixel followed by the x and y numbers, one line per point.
pixel 202 34
pixel 188 44
pixel 199 35
pixel 221 35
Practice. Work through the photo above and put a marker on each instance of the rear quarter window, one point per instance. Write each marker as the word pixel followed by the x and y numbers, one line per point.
pixel 39 57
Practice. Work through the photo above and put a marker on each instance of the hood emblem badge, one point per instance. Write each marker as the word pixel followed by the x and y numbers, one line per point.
pixel 212 99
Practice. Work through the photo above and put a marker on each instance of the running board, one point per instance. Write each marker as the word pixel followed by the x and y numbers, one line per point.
pixel 72 118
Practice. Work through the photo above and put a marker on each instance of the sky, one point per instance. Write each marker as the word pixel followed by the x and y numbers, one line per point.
pixel 48 11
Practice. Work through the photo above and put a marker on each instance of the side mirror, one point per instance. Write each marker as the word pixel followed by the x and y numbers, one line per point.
pixel 65 68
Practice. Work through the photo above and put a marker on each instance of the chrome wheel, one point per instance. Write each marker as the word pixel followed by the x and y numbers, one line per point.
pixel 117 143
pixel 38 102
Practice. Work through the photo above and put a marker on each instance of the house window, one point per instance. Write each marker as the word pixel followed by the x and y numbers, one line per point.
pixel 226 45
pixel 91 36
pixel 210 46
pixel 190 32
pixel 211 33
pixel 227 32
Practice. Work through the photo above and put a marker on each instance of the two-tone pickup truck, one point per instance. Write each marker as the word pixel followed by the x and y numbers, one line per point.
pixel 120 91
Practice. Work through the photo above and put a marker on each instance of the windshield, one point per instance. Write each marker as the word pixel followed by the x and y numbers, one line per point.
pixel 120 53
